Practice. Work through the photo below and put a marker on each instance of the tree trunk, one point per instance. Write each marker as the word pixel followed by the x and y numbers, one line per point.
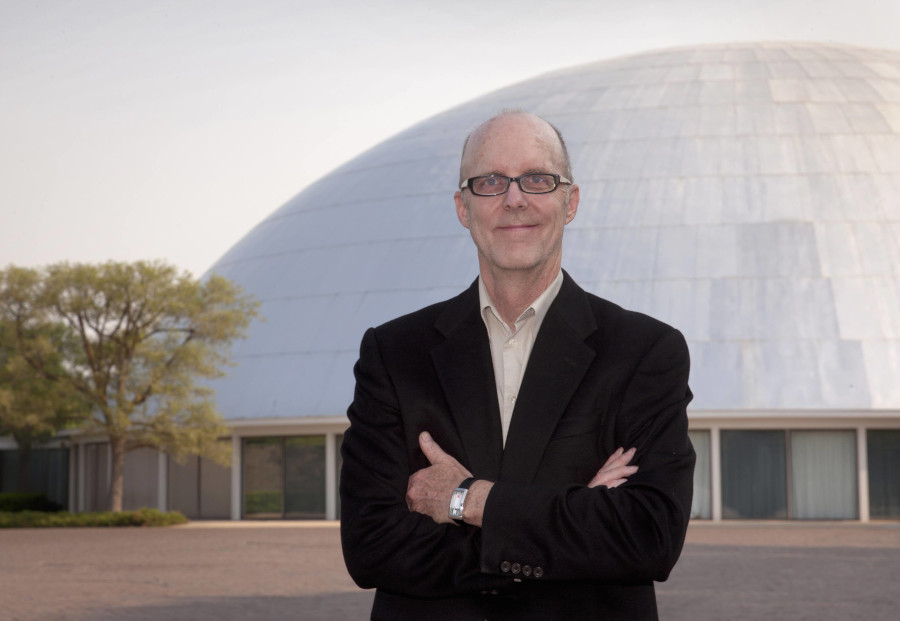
pixel 24 478
pixel 117 489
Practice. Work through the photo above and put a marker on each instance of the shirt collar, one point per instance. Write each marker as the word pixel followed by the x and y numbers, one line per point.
pixel 538 308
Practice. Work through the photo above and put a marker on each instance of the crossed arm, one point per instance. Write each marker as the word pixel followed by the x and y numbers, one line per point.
pixel 631 533
pixel 429 489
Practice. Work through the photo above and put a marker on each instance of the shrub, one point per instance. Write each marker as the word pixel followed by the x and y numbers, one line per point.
pixel 64 519
pixel 262 502
pixel 16 501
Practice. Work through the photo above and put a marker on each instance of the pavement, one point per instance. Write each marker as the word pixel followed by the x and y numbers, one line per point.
pixel 222 571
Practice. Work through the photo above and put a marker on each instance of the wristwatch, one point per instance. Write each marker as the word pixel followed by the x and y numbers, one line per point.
pixel 458 498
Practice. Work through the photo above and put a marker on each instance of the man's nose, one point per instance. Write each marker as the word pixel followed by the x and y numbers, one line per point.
pixel 514 197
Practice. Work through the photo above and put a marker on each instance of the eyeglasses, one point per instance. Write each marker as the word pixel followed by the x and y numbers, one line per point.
pixel 531 183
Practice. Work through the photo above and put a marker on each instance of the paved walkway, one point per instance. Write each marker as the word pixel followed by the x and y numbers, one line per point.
pixel 225 571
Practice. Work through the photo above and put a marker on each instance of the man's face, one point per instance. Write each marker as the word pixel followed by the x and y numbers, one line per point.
pixel 516 231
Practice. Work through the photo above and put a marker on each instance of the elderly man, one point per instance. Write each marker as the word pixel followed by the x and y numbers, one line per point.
pixel 484 472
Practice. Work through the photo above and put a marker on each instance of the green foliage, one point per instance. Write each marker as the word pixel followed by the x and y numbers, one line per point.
pixel 32 407
pixel 262 502
pixel 14 502
pixel 64 519
pixel 141 336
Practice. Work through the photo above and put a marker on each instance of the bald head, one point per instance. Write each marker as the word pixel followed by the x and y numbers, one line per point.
pixel 518 121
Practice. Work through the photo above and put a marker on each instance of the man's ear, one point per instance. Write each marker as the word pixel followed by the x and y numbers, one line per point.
pixel 572 203
pixel 461 211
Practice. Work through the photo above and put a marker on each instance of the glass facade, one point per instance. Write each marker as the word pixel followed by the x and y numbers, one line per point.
pixel 96 476
pixel 199 488
pixel 284 477
pixel 304 490
pixel 802 475
pixel 701 505
pixel 823 475
pixel 48 473
pixel 883 447
pixel 754 476
pixel 339 461
pixel 263 462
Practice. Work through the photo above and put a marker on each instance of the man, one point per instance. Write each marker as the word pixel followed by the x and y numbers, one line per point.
pixel 483 472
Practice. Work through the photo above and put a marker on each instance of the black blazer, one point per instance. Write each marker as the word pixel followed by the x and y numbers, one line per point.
pixel 598 378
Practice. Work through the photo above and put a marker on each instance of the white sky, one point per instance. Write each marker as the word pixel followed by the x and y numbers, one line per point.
pixel 147 129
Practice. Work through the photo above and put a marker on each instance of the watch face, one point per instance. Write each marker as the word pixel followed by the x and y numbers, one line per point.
pixel 456 503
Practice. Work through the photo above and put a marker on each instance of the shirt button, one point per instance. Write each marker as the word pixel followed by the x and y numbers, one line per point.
pixel 511 342
pixel 512 399
pixel 538 572
pixel 516 568
pixel 504 567
pixel 526 570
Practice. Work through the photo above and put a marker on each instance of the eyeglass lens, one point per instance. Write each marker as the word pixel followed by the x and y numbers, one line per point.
pixel 491 185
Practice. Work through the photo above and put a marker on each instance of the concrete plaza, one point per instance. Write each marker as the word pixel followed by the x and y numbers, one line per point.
pixel 226 571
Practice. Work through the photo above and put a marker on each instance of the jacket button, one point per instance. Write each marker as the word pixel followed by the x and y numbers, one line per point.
pixel 538 572
pixel 516 568
pixel 526 570
pixel 504 567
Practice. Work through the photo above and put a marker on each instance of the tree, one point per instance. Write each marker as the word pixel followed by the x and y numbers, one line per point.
pixel 145 335
pixel 33 408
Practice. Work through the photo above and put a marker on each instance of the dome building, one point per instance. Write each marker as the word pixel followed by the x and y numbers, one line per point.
pixel 748 194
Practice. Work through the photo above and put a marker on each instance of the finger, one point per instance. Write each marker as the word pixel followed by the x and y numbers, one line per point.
pixel 612 459
pixel 620 458
pixel 605 476
pixel 433 452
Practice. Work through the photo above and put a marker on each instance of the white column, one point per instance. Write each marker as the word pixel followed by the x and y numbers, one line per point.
pixel 862 460
pixel 235 477
pixel 330 478
pixel 81 481
pixel 162 481
pixel 715 467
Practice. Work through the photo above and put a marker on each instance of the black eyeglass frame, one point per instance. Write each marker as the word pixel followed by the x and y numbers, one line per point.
pixel 468 183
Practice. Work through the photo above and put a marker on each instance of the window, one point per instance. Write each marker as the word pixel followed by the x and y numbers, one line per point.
pixel 824 475
pixel 884 473
pixel 263 477
pixel 284 477
pixel 701 505
pixel 754 475
pixel 304 494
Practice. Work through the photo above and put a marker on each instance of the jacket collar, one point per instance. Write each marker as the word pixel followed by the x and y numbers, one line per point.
pixel 558 362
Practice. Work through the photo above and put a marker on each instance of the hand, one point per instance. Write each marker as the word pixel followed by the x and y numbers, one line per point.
pixel 616 469
pixel 429 489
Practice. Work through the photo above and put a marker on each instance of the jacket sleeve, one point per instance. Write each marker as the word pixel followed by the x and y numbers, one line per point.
pixel 385 545
pixel 633 533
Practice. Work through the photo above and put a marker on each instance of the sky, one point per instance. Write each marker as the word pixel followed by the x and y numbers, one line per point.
pixel 142 130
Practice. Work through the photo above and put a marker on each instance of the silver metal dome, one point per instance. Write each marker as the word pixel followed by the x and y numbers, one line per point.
pixel 748 194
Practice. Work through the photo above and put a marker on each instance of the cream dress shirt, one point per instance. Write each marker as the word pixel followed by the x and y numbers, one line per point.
pixel 511 346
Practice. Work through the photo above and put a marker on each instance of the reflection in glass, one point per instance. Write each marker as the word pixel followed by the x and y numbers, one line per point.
pixel 754 478
pixel 338 441
pixel 823 475
pixel 305 477
pixel 884 473
pixel 701 505
pixel 263 477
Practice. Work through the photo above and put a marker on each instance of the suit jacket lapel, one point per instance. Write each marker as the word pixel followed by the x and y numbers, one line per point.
pixel 465 371
pixel 558 362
